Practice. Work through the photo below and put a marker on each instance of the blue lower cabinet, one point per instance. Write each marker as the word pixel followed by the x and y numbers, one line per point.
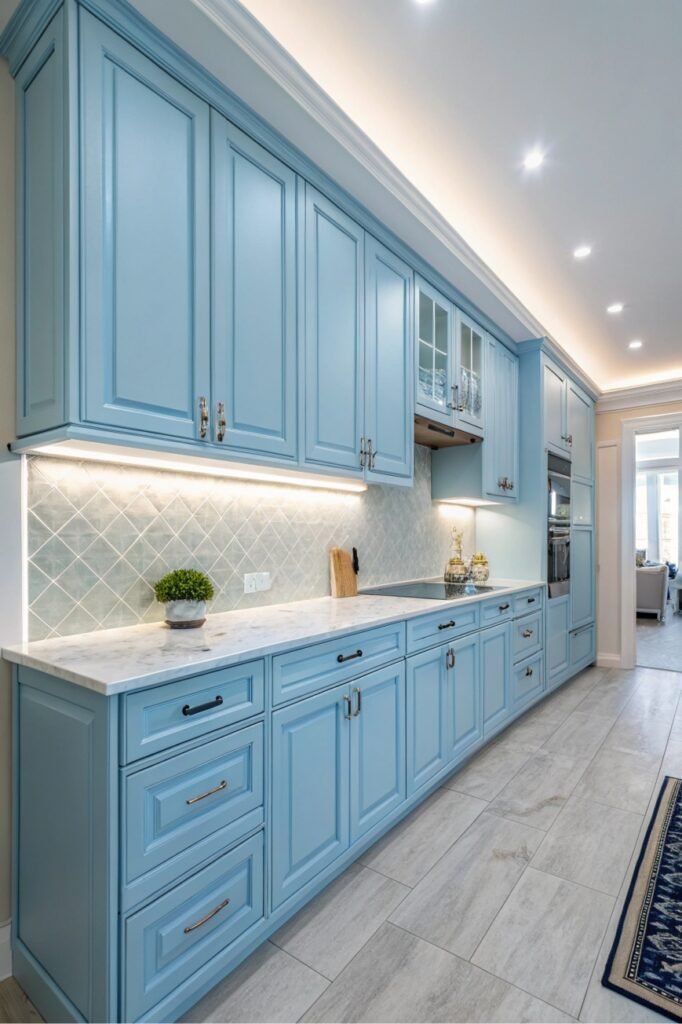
pixel 465 724
pixel 310 788
pixel 495 673
pixel 557 646
pixel 582 647
pixel 167 941
pixel 582 577
pixel 377 747
pixel 427 703
pixel 528 681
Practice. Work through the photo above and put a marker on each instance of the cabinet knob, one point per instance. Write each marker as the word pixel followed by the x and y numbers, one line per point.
pixel 221 422
pixel 203 418
pixel 527 634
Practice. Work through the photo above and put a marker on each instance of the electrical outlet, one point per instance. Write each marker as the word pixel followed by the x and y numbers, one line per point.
pixel 256 581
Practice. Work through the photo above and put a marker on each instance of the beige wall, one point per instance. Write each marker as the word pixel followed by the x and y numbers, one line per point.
pixel 609 506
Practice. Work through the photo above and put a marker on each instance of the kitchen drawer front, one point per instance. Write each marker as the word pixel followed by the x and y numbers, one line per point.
pixel 180 812
pixel 159 718
pixel 309 669
pixel 174 936
pixel 438 627
pixel 527 636
pixel 528 601
pixel 582 645
pixel 528 680
pixel 499 609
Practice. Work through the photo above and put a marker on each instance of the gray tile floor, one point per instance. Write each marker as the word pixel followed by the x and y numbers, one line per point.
pixel 659 644
pixel 498 898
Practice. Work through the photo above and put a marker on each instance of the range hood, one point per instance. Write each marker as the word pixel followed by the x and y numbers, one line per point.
pixel 437 435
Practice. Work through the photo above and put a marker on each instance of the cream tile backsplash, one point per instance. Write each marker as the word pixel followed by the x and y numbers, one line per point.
pixel 99 536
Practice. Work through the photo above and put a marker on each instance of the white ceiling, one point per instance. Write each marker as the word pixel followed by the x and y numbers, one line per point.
pixel 454 92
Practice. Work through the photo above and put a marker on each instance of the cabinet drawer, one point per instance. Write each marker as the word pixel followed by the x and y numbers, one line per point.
pixel 527 601
pixel 528 680
pixel 527 635
pixel 174 936
pixel 297 673
pixel 582 645
pixel 184 810
pixel 440 626
pixel 497 610
pixel 166 715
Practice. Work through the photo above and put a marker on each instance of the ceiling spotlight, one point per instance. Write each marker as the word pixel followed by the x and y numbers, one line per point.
pixel 533 159
pixel 423 3
pixel 582 251
pixel 615 307
pixel 635 344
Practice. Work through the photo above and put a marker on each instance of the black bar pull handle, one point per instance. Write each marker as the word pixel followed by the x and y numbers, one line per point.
pixel 348 657
pixel 503 607
pixel 531 600
pixel 447 625
pixel 187 710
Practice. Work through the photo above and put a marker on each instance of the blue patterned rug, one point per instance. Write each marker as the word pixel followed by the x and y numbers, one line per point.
pixel 645 963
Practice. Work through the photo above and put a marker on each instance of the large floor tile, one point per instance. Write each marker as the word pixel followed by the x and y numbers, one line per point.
pixel 490 771
pixel 546 938
pixel 590 843
pixel 269 986
pixel 413 847
pixel 636 730
pixel 621 779
pixel 330 930
pixel 455 904
pixel 581 735
pixel 532 730
pixel 399 977
pixel 539 791
pixel 609 696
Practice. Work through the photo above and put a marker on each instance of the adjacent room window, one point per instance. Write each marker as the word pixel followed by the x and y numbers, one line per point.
pixel 657 498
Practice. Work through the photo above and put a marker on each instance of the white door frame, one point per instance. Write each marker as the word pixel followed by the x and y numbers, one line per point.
pixel 628 603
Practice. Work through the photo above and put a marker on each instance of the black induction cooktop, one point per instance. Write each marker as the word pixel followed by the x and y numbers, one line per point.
pixel 433 590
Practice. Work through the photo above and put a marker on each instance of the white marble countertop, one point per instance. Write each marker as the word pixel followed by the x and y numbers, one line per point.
pixel 114 661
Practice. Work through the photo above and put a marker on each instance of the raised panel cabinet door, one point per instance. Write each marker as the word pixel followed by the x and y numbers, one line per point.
pixel 581 432
pixel 557 637
pixel 310 789
pixel 434 318
pixel 377 747
pixel 389 389
pixel 253 296
pixel 470 368
pixel 334 335
pixel 554 403
pixel 464 698
pixel 426 716
pixel 582 577
pixel 145 236
pixel 501 452
pixel 495 675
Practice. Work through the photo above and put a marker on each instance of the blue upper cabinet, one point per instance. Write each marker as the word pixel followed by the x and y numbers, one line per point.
pixel 145 230
pixel 434 316
pixel 580 418
pixel 41 227
pixel 501 445
pixel 334 336
pixel 555 383
pixel 389 389
pixel 470 369
pixel 253 296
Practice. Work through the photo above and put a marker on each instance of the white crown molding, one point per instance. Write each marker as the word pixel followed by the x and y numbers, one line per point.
pixel 250 35
pixel 5 952
pixel 637 397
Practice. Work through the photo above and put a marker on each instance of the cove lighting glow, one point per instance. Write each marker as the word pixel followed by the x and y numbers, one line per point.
pixel 465 502
pixel 197 466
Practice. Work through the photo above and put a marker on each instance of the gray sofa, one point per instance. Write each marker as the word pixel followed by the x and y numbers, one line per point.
pixel 652 589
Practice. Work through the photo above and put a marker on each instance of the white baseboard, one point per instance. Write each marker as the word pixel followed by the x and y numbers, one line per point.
pixel 5 952
pixel 608 660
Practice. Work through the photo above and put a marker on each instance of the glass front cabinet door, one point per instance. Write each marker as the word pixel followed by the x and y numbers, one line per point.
pixel 469 371
pixel 434 354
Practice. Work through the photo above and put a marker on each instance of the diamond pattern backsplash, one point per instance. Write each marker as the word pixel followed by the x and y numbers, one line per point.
pixel 100 535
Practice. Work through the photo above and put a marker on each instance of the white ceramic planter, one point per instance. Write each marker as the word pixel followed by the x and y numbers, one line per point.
pixel 185 614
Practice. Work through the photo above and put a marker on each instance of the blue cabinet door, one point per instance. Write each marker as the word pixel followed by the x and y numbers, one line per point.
pixel 334 336
pixel 580 413
pixel 310 788
pixel 558 612
pixel 554 384
pixel 145 237
pixel 426 716
pixel 253 296
pixel 389 388
pixel 501 444
pixel 377 747
pixel 582 577
pixel 434 318
pixel 495 676
pixel 464 699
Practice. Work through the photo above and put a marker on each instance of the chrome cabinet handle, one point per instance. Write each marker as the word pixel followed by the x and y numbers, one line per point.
pixel 503 607
pixel 372 455
pixel 529 671
pixel 363 453
pixel 455 404
pixel 349 707
pixel 568 438
pixel 358 705
pixel 449 658
pixel 212 913
pixel 221 422
pixel 210 792
pixel 527 633
pixel 447 625
pixel 348 657
pixel 187 710
pixel 203 418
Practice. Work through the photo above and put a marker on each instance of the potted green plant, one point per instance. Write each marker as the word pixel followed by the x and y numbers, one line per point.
pixel 184 593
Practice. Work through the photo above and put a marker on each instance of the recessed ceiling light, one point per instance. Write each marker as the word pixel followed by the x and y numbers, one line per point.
pixel 423 3
pixel 533 159
pixel 615 307
pixel 582 251
pixel 635 344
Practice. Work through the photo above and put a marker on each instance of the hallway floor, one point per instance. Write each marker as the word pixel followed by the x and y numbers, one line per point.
pixel 659 644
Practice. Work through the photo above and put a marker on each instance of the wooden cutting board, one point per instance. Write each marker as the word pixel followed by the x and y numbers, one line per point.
pixel 344 580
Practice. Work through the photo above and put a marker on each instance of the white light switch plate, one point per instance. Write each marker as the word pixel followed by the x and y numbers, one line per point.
pixel 256 581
